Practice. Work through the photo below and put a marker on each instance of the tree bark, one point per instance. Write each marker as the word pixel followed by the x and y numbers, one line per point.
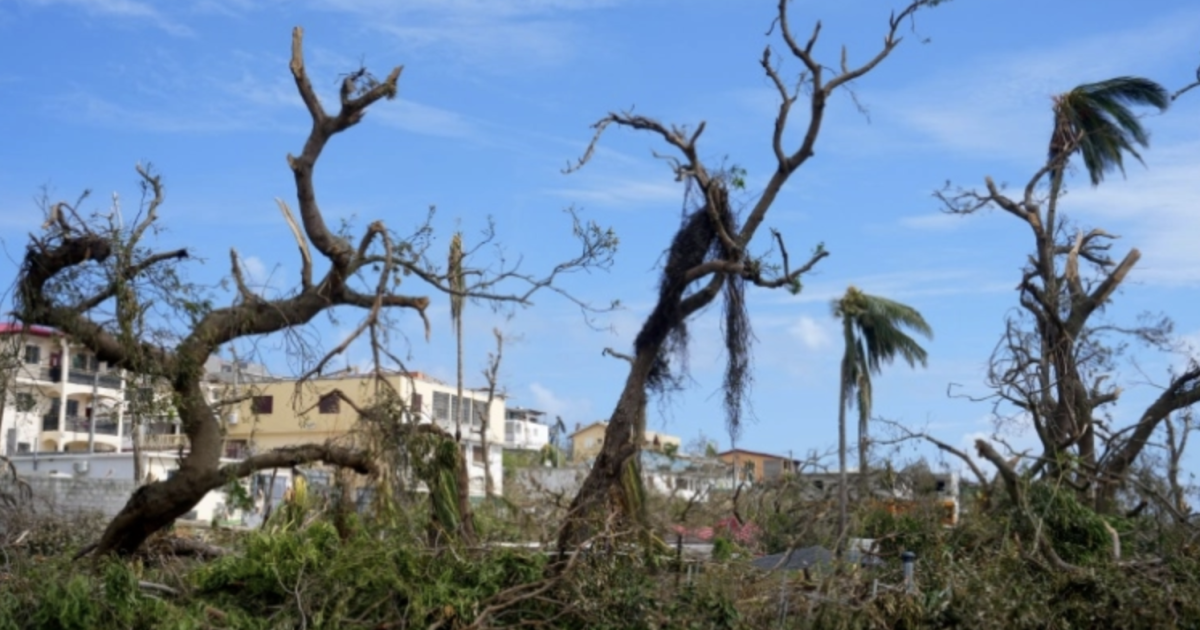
pixel 843 478
pixel 622 443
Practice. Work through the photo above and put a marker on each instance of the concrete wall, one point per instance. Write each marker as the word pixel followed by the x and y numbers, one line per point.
pixel 65 495
pixel 105 485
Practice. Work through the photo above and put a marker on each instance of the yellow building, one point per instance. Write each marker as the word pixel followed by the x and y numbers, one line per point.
pixel 586 442
pixel 274 413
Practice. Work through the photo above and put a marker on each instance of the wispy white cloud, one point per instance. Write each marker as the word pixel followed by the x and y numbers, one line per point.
pixel 1154 209
pixel 263 279
pixel 544 399
pixel 621 192
pixel 811 333
pixel 901 285
pixel 503 35
pixel 939 222
pixel 121 9
pixel 1000 106
pixel 89 108
pixel 424 119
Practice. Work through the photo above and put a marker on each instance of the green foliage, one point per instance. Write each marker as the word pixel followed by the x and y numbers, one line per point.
pixel 722 549
pixel 918 531
pixel 978 575
pixel 1078 533
pixel 238 496
pixel 54 594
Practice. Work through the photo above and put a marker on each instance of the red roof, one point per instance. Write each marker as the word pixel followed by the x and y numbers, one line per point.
pixel 9 328
pixel 744 533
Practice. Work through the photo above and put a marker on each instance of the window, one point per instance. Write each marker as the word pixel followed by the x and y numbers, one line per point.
pixel 329 403
pixel 441 406
pixel 33 355
pixel 415 407
pixel 25 401
pixel 79 361
pixel 24 447
pixel 236 449
pixel 463 411
pixel 772 468
pixel 72 408
pixel 262 404
pixel 478 455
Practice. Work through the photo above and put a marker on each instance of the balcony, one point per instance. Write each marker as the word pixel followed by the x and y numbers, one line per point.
pixel 164 442
pixel 107 380
pixel 104 426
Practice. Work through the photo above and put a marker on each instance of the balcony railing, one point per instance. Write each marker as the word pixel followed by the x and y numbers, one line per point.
pixel 164 441
pixel 104 426
pixel 80 377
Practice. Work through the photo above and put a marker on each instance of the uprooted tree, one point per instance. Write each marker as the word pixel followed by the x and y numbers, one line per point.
pixel 1053 365
pixel 95 279
pixel 710 254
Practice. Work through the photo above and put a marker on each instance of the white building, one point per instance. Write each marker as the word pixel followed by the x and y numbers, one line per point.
pixel 676 476
pixel 58 397
pixel 523 429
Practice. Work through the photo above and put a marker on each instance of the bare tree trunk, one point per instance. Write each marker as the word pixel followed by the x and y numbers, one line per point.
pixel 139 473
pixel 864 460
pixel 466 520
pixel 843 479
pixel 491 374
pixel 622 443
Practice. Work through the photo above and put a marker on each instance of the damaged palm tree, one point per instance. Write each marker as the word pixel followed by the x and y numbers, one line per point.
pixel 96 280
pixel 709 256
pixel 1053 364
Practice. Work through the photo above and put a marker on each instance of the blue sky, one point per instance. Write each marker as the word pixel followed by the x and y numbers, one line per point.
pixel 498 95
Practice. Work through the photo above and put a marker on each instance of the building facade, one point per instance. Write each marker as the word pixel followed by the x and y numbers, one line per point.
pixel 56 396
pixel 524 430
pixel 586 442
pixel 271 413
pixel 756 467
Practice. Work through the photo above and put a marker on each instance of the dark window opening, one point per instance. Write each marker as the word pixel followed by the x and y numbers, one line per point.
pixel 329 403
pixel 262 404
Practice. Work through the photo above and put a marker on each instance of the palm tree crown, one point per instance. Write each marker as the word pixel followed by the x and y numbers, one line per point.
pixel 874 332
pixel 1095 119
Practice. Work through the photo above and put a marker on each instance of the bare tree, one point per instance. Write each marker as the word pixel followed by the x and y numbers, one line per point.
pixel 492 375
pixel 1055 359
pixel 710 254
pixel 98 282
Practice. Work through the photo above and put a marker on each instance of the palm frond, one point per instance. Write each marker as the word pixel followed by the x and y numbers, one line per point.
pixel 1096 120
